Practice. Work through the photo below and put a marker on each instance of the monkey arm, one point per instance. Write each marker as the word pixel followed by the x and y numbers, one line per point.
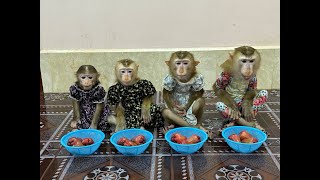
pixel 195 95
pixel 145 109
pixel 168 99
pixel 120 119
pixel 96 116
pixel 225 97
pixel 76 113
pixel 247 105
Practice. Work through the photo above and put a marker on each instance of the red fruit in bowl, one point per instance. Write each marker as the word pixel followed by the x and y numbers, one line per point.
pixel 129 143
pixel 73 141
pixel 234 137
pixel 192 139
pixel 87 141
pixel 140 139
pixel 178 138
pixel 122 140
pixel 244 135
pixel 249 140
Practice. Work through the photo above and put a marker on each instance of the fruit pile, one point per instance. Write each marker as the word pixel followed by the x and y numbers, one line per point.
pixel 244 137
pixel 181 139
pixel 74 141
pixel 137 140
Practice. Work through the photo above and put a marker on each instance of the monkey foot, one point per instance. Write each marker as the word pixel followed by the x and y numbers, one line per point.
pixel 167 128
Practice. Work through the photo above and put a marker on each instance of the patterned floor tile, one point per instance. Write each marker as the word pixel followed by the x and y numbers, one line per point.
pixel 49 124
pixel 55 169
pixel 51 149
pixel 233 167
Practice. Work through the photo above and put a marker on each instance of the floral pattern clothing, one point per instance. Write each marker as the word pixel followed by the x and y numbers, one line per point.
pixel 182 91
pixel 131 98
pixel 87 103
pixel 237 89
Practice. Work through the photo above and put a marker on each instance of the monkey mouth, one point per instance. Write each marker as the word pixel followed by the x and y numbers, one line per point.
pixel 246 77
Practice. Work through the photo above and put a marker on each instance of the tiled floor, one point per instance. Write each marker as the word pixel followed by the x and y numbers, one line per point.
pixel 215 160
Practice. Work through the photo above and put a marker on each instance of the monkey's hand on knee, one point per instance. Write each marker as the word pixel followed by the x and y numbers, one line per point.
pixel 180 110
pixel 145 115
pixel 234 114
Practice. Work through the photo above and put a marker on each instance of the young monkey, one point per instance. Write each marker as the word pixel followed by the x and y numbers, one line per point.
pixel 183 92
pixel 132 97
pixel 236 88
pixel 87 94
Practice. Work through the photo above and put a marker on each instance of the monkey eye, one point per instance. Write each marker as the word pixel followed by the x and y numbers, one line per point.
pixel 251 61
pixel 123 71
pixel 178 63
pixel 130 71
pixel 244 61
pixel 90 77
pixel 185 63
pixel 82 77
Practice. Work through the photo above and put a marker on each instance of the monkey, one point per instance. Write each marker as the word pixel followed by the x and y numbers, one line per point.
pixel 88 101
pixel 183 92
pixel 132 98
pixel 236 88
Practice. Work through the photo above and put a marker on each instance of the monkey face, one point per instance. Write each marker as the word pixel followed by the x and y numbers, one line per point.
pixel 181 66
pixel 246 67
pixel 126 75
pixel 87 81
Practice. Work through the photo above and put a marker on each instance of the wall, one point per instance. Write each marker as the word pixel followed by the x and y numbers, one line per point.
pixel 100 32
pixel 127 24
pixel 58 67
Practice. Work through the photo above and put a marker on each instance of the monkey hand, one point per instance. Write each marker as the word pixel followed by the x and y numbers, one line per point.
pixel 233 114
pixel 145 115
pixel 73 123
pixel 180 110
pixel 248 113
pixel 93 126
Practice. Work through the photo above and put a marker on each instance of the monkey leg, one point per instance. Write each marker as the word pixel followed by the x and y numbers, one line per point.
pixel 171 118
pixel 197 109
pixel 259 100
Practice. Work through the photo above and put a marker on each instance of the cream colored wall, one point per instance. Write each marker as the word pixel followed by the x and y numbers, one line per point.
pixel 128 24
pixel 58 67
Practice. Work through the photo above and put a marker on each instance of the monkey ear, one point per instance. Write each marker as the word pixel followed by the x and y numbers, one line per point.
pixel 196 63
pixel 168 63
pixel 230 55
pixel 227 65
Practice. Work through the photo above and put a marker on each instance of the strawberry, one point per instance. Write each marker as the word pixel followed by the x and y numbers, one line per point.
pixel 249 140
pixel 140 139
pixel 192 139
pixel 178 138
pixel 87 141
pixel 244 135
pixel 234 137
pixel 122 140
pixel 129 143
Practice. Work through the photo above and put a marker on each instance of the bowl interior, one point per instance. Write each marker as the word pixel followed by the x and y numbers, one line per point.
pixel 257 133
pixel 130 133
pixel 96 135
pixel 187 131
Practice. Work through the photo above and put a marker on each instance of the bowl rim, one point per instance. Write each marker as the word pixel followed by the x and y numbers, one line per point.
pixel 245 127
pixel 166 136
pixel 80 130
pixel 113 142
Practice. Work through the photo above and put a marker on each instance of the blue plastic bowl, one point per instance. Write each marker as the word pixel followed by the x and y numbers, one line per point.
pixel 130 133
pixel 244 147
pixel 96 135
pixel 186 131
